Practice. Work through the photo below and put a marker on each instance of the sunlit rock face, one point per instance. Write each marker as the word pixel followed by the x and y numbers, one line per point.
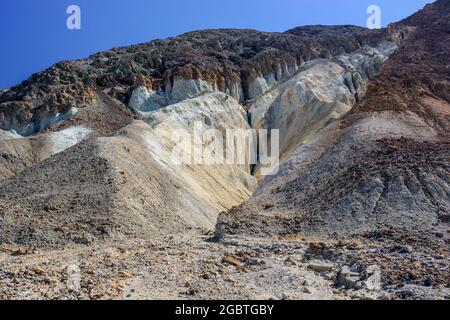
pixel 146 100
pixel 7 135
pixel 183 89
pixel 299 101
pixel 322 91
pixel 281 70
pixel 67 138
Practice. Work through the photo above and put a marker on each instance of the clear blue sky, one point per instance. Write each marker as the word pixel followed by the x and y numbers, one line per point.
pixel 34 36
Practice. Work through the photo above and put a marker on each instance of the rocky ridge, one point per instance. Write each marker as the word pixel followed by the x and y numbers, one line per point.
pixel 358 208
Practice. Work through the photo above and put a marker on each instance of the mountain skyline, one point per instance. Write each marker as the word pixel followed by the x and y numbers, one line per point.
pixel 45 40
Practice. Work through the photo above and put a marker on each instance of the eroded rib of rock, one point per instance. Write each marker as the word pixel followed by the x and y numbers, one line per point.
pixel 221 185
pixel 321 92
pixel 383 172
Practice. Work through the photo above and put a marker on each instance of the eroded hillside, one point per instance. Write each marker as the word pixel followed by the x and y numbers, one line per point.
pixel 358 208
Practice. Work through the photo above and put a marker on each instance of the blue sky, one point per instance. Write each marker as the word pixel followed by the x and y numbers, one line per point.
pixel 34 35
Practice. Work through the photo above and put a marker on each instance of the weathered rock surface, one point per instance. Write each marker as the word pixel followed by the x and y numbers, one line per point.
pixel 127 184
pixel 6 135
pixel 384 166
pixel 18 153
pixel 358 209
pixel 241 63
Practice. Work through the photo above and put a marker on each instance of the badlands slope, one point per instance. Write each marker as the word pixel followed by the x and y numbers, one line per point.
pixel 126 184
pixel 48 193
pixel 358 207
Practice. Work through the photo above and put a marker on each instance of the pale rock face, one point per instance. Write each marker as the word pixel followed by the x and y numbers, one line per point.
pixel 216 110
pixel 360 68
pixel 303 104
pixel 216 187
pixel 147 100
pixel 257 87
pixel 323 91
pixel 363 66
pixel 262 84
pixel 188 88
pixel 235 90
pixel 67 138
pixel 47 122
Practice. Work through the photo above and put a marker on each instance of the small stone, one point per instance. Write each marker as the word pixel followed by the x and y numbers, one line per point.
pixel 352 246
pixel 405 293
pixel 205 276
pixel 290 262
pixel 48 280
pixel 405 250
pixel 284 296
pixel 373 281
pixel 82 240
pixel 320 266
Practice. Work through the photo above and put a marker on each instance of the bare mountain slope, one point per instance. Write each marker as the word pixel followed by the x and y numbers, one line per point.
pixel 126 184
pixel 383 168
pixel 168 84
pixel 359 208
